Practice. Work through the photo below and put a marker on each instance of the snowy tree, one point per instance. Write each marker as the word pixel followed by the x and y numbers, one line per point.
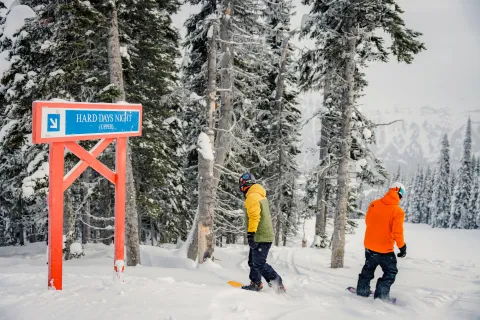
pixel 475 192
pixel 194 79
pixel 342 29
pixel 279 122
pixel 43 67
pixel 427 196
pixel 409 183
pixel 440 205
pixel 461 217
pixel 415 207
pixel 157 155
pixel 62 56
pixel 242 86
pixel 477 209
pixel 398 175
pixel 132 242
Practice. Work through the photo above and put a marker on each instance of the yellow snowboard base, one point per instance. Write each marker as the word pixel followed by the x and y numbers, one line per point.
pixel 235 284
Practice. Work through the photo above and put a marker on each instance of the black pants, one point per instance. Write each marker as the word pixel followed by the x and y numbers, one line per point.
pixel 257 261
pixel 388 263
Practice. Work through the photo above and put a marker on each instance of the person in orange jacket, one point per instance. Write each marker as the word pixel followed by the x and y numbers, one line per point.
pixel 384 222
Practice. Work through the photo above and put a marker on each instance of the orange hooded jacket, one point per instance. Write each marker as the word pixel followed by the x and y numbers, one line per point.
pixel 384 222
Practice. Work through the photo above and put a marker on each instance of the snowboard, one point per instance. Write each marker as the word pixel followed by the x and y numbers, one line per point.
pixel 354 291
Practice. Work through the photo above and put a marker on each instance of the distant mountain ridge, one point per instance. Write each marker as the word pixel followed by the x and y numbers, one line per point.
pixel 416 140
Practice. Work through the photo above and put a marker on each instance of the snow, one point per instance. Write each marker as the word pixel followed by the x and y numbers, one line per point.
pixel 439 279
pixel 204 146
pixel 32 165
pixel 124 53
pixel 46 44
pixel 109 87
pixel 6 128
pixel 210 32
pixel 362 162
pixel 305 19
pixel 367 134
pixel 19 77
pixel 16 19
pixel 27 191
pixel 30 84
pixel 87 4
pixel 29 183
pixel 196 97
pixel 57 72
pixel 76 248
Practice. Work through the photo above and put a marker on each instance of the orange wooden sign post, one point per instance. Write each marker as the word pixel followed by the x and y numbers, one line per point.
pixel 61 124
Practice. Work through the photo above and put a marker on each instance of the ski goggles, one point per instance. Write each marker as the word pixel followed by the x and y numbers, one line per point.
pixel 401 192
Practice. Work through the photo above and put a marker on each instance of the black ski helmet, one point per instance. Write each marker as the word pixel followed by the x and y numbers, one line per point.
pixel 246 181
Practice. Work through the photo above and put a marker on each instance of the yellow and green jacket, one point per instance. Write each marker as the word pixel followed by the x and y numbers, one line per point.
pixel 258 218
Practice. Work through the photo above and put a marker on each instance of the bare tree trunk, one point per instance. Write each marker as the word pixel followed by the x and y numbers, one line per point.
pixel 152 231
pixel 285 230
pixel 193 247
pixel 222 142
pixel 116 77
pixel 279 107
pixel 321 207
pixel 338 237
pixel 21 234
pixel 33 235
pixel 278 227
pixel 206 185
pixel 69 225
pixel 140 236
pixel 139 217
pixel 86 209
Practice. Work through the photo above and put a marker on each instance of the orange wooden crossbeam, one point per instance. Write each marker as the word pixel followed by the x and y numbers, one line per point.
pixel 91 160
pixel 83 165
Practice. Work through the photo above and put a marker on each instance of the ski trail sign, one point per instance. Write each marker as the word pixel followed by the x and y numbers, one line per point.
pixel 61 125
pixel 63 121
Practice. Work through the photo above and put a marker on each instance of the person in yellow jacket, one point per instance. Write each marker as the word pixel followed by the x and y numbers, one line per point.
pixel 259 234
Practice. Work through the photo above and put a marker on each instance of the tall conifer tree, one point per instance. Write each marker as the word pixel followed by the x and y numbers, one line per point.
pixel 461 217
pixel 440 205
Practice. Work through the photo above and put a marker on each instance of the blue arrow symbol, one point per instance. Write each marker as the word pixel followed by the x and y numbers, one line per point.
pixel 53 123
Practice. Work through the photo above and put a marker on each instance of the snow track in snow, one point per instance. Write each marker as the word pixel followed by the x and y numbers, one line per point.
pixel 435 281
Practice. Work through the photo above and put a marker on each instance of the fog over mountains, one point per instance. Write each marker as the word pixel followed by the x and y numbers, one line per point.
pixel 413 141
pixel 417 138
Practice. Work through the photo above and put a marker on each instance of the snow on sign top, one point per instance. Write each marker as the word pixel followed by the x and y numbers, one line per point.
pixel 57 121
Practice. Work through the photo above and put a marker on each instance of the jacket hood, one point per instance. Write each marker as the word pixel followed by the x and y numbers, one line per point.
pixel 391 198
pixel 256 188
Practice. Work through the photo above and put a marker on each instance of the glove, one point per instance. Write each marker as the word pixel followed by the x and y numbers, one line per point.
pixel 251 241
pixel 403 251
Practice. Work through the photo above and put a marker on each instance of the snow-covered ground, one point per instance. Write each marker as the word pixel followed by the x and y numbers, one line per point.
pixel 439 279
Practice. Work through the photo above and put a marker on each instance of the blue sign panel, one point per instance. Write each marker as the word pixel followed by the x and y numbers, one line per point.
pixel 85 122
pixel 53 123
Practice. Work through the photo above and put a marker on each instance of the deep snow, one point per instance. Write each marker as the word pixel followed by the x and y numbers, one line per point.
pixel 439 279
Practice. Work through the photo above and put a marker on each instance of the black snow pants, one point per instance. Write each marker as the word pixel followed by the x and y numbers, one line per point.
pixel 257 261
pixel 388 263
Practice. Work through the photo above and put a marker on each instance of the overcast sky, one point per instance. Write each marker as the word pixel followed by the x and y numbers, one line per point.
pixel 446 75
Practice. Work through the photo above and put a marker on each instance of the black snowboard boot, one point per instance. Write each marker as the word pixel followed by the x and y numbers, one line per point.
pixel 253 286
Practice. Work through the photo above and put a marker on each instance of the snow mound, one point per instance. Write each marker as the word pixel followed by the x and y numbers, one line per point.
pixel 16 19
pixel 204 146
pixel 76 248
